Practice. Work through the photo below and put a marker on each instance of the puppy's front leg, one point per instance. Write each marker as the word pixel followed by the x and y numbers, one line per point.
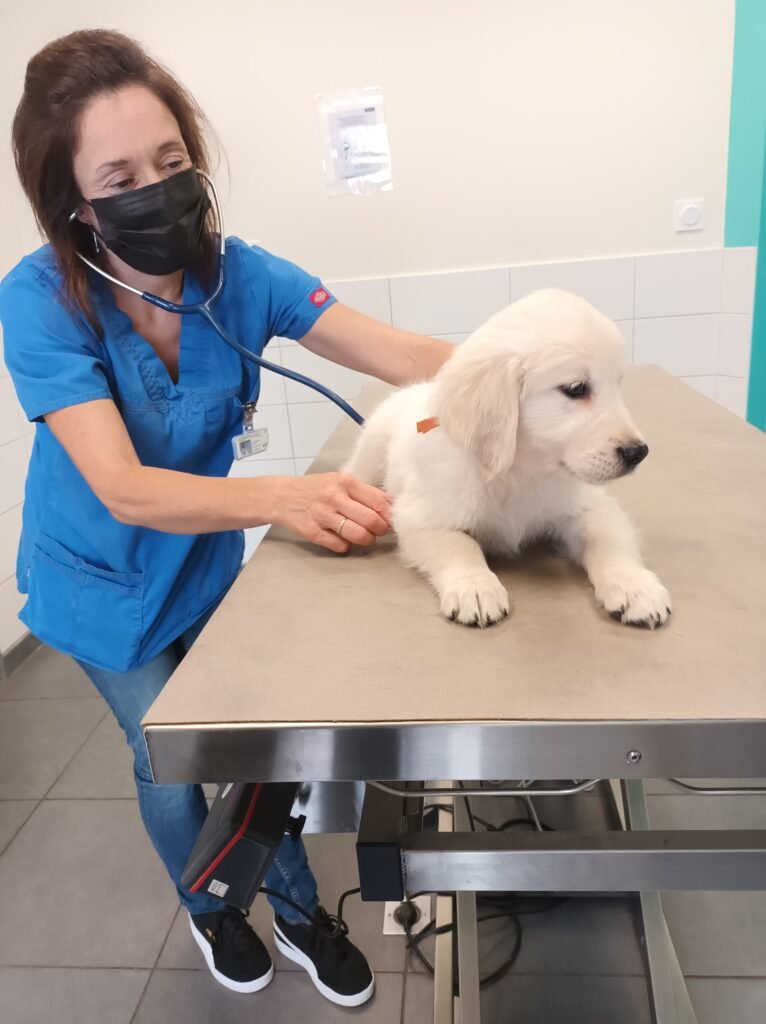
pixel 604 541
pixel 454 564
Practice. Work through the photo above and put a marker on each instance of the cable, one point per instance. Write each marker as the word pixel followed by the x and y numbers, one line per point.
pixel 340 927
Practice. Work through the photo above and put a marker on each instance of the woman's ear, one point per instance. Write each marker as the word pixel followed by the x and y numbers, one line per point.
pixel 478 395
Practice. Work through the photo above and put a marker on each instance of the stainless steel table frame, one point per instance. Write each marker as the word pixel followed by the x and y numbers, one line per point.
pixel 318 668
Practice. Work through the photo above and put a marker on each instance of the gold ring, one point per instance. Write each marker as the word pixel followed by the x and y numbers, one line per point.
pixel 343 522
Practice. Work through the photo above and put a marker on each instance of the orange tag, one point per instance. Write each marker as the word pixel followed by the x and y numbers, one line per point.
pixel 425 425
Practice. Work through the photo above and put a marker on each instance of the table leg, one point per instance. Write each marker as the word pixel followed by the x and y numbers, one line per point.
pixel 669 995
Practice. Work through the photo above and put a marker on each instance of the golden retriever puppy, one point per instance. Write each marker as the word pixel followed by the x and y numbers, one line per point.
pixel 506 446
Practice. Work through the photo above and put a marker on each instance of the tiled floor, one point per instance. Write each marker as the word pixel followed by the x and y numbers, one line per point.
pixel 90 932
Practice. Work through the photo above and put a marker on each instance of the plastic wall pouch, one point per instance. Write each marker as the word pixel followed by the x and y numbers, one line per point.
pixel 355 150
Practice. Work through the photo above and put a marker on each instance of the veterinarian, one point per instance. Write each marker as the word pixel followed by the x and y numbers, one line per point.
pixel 132 533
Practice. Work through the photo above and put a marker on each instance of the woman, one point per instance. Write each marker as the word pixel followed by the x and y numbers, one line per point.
pixel 132 532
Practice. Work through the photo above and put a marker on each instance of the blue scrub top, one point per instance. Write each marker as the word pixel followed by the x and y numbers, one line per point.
pixel 104 592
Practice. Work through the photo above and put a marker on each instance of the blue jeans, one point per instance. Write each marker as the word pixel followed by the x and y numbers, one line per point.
pixel 174 815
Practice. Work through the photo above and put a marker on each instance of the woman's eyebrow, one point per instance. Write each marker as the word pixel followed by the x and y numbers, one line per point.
pixel 113 165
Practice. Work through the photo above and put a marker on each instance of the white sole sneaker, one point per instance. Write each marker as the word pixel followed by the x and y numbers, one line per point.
pixel 286 948
pixel 236 986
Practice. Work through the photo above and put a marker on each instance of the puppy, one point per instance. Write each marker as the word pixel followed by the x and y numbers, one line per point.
pixel 507 446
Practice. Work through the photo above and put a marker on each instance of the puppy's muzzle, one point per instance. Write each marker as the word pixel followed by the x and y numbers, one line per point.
pixel 633 453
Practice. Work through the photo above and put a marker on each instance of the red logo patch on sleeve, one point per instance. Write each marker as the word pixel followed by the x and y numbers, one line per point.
pixel 319 297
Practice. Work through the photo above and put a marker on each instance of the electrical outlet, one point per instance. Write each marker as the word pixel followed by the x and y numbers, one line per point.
pixel 392 927
pixel 689 215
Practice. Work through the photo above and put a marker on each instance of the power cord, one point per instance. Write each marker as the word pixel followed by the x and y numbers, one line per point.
pixel 339 925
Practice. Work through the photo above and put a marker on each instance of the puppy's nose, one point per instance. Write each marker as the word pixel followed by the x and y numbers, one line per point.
pixel 632 454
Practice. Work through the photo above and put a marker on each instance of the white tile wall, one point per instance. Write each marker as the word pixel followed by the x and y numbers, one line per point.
pixel 448 303
pixel 13 422
pixel 705 385
pixel 732 394
pixel 371 297
pixel 734 344
pixel 11 602
pixel 311 423
pixel 272 385
pixel 608 284
pixel 686 346
pixel 677 284
pixel 14 456
pixel 738 289
pixel 10 531
pixel 302 466
pixel 344 382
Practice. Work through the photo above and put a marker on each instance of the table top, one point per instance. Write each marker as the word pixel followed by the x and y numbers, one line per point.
pixel 307 639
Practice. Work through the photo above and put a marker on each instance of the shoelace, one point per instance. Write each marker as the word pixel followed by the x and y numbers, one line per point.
pixel 233 925
pixel 330 926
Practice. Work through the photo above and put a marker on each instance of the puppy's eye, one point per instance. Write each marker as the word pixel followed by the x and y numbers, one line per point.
pixel 580 389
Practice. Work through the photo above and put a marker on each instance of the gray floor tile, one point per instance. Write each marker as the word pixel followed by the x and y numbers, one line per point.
pixel 419 999
pixel 38 738
pixel 707 812
pixel 103 768
pixel 13 814
pixel 728 1000
pixel 29 995
pixel 718 933
pixel 333 860
pixel 83 887
pixel 548 999
pixel 47 673
pixel 194 997
pixel 581 936
pixel 715 933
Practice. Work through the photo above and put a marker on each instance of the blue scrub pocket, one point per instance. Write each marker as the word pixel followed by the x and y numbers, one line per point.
pixel 91 613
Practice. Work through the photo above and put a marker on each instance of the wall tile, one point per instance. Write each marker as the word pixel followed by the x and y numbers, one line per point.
pixel 344 382
pixel 272 384
pixel 686 346
pixel 731 393
pixel 10 531
pixel 14 459
pixel 13 422
pixel 370 297
pixel 11 602
pixel 705 385
pixel 608 284
pixel 676 284
pixel 738 290
pixel 302 466
pixel 734 345
pixel 455 339
pixel 311 424
pixel 448 303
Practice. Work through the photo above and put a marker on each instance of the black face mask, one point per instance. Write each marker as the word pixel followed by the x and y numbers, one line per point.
pixel 155 229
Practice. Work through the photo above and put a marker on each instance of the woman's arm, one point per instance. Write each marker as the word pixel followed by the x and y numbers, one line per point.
pixel 361 343
pixel 95 438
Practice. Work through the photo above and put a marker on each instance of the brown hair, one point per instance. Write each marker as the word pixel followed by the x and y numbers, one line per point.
pixel 60 81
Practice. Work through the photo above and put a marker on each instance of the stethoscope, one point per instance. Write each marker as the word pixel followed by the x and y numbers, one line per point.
pixel 203 309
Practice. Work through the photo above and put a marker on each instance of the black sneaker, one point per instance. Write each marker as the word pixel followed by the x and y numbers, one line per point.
pixel 336 967
pixel 234 953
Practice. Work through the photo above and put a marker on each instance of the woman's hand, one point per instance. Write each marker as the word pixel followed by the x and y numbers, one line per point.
pixel 334 510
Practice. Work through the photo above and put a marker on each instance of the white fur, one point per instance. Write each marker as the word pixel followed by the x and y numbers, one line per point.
pixel 514 461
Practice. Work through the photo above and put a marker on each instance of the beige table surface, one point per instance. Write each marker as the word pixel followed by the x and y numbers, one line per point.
pixel 313 638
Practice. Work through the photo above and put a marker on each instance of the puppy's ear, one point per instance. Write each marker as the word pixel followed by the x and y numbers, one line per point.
pixel 478 395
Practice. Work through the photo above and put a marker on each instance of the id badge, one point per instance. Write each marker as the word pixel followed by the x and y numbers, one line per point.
pixel 251 441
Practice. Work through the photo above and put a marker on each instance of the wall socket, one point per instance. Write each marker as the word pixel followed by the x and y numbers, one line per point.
pixel 392 927
pixel 689 215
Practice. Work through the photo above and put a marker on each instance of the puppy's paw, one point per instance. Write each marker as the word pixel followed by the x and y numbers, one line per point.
pixel 479 600
pixel 636 597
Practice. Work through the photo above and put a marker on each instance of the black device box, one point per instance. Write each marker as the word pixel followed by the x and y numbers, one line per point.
pixel 239 840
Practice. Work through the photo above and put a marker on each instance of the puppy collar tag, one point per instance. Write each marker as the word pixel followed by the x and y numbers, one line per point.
pixel 428 424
